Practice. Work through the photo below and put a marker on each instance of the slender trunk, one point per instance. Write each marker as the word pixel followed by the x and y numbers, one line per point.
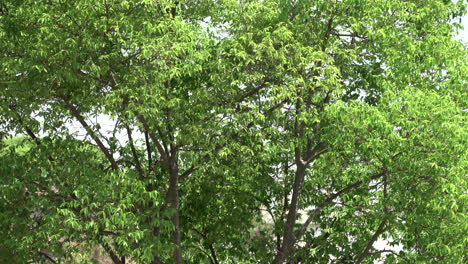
pixel 288 233
pixel 213 254
pixel 148 150
pixel 371 241
pixel 112 254
pixel 172 199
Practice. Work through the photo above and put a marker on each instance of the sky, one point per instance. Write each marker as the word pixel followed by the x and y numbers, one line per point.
pixel 464 34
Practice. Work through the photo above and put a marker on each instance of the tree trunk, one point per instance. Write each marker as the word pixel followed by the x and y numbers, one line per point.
pixel 173 201
pixel 288 232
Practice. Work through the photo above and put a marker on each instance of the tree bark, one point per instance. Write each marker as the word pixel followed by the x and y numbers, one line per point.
pixel 288 232
pixel 172 199
pixel 370 243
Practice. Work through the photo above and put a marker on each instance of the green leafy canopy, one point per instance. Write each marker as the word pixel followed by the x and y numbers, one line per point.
pixel 253 131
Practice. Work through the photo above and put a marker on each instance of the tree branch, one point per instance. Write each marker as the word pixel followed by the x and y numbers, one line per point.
pixel 213 256
pixel 148 151
pixel 77 114
pixel 162 152
pixel 29 132
pixel 328 201
pixel 48 257
pixel 371 241
pixel 134 153
pixel 112 254
pixel 316 152
pixel 391 252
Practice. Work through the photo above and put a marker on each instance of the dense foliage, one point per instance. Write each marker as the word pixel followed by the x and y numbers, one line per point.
pixel 253 131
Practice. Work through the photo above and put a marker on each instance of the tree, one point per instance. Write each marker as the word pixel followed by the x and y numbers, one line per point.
pixel 245 131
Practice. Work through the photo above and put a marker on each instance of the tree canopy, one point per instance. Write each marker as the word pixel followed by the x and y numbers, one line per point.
pixel 252 131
